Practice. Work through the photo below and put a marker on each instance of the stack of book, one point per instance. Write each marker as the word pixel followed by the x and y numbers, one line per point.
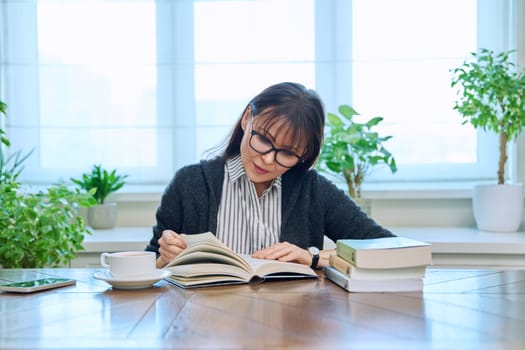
pixel 391 264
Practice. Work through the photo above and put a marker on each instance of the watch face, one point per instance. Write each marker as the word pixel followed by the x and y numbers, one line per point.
pixel 313 250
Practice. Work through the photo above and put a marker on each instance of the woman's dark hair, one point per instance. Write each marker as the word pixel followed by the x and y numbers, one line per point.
pixel 294 108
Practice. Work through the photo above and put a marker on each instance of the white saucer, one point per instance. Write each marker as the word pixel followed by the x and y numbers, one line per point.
pixel 136 282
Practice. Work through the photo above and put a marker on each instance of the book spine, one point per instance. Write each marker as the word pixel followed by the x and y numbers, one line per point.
pixel 340 264
pixel 336 277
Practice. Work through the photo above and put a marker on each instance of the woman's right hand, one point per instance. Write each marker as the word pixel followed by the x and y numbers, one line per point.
pixel 171 244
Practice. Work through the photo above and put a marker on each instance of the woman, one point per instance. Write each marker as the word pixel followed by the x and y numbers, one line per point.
pixel 261 196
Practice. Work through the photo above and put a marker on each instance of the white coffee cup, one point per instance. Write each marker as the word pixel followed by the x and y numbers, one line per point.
pixel 129 264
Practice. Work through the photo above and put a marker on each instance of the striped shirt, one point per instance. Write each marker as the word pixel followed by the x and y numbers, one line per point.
pixel 246 223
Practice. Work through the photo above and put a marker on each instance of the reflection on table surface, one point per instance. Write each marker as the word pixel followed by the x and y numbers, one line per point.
pixel 458 309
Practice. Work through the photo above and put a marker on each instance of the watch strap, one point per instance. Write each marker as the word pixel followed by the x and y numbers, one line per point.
pixel 315 261
pixel 315 256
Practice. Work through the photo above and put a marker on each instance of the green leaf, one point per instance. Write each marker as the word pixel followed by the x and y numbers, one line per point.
pixel 347 112
pixel 334 120
pixel 374 121
pixel 351 149
pixel 100 183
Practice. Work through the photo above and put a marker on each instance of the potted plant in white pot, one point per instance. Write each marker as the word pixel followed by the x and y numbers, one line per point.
pixel 37 229
pixel 351 150
pixel 491 97
pixel 101 182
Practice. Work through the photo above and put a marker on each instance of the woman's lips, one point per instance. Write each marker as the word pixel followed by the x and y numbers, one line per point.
pixel 259 170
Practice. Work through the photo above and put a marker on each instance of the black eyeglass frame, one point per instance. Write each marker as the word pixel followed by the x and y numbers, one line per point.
pixel 272 149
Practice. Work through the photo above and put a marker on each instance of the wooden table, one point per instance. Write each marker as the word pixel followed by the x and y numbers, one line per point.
pixel 458 309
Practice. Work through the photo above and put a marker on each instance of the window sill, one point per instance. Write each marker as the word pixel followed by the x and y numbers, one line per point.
pixel 467 247
pixel 451 246
pixel 117 239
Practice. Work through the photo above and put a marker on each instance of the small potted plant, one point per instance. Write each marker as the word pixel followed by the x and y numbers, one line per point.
pixel 100 183
pixel 491 97
pixel 351 150
pixel 37 229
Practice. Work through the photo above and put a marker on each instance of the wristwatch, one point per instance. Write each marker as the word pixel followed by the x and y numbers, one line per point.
pixel 314 251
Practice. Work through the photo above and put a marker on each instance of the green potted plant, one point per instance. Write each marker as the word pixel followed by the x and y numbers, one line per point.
pixel 11 164
pixel 40 229
pixel 351 150
pixel 101 183
pixel 491 97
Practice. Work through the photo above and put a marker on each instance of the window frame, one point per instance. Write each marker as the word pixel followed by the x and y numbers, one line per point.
pixel 177 98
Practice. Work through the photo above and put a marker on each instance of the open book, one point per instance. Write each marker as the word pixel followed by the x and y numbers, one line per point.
pixel 206 261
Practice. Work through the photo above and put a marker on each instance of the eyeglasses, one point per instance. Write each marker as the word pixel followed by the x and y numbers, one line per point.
pixel 262 145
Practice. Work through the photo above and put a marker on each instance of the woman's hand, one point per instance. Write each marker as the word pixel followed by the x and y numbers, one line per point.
pixel 284 251
pixel 171 244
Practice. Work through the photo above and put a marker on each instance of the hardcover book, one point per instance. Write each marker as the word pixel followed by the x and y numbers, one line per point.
pixel 356 285
pixel 206 262
pixel 384 253
pixel 351 271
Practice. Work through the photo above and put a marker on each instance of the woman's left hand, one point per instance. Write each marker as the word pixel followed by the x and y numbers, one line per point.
pixel 284 251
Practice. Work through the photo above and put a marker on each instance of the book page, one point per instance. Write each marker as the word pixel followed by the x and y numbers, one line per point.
pixel 209 254
pixel 265 267
pixel 205 271
pixel 192 240
pixel 205 247
pixel 203 281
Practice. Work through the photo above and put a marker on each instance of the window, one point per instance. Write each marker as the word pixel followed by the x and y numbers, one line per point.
pixel 148 86
pixel 401 71
pixel 82 88
pixel 262 48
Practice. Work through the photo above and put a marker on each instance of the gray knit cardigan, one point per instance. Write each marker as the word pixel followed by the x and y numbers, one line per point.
pixel 312 207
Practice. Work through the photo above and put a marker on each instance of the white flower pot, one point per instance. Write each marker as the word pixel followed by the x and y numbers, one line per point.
pixel 498 208
pixel 102 216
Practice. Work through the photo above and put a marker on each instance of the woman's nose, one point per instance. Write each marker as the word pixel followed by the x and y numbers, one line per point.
pixel 269 157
